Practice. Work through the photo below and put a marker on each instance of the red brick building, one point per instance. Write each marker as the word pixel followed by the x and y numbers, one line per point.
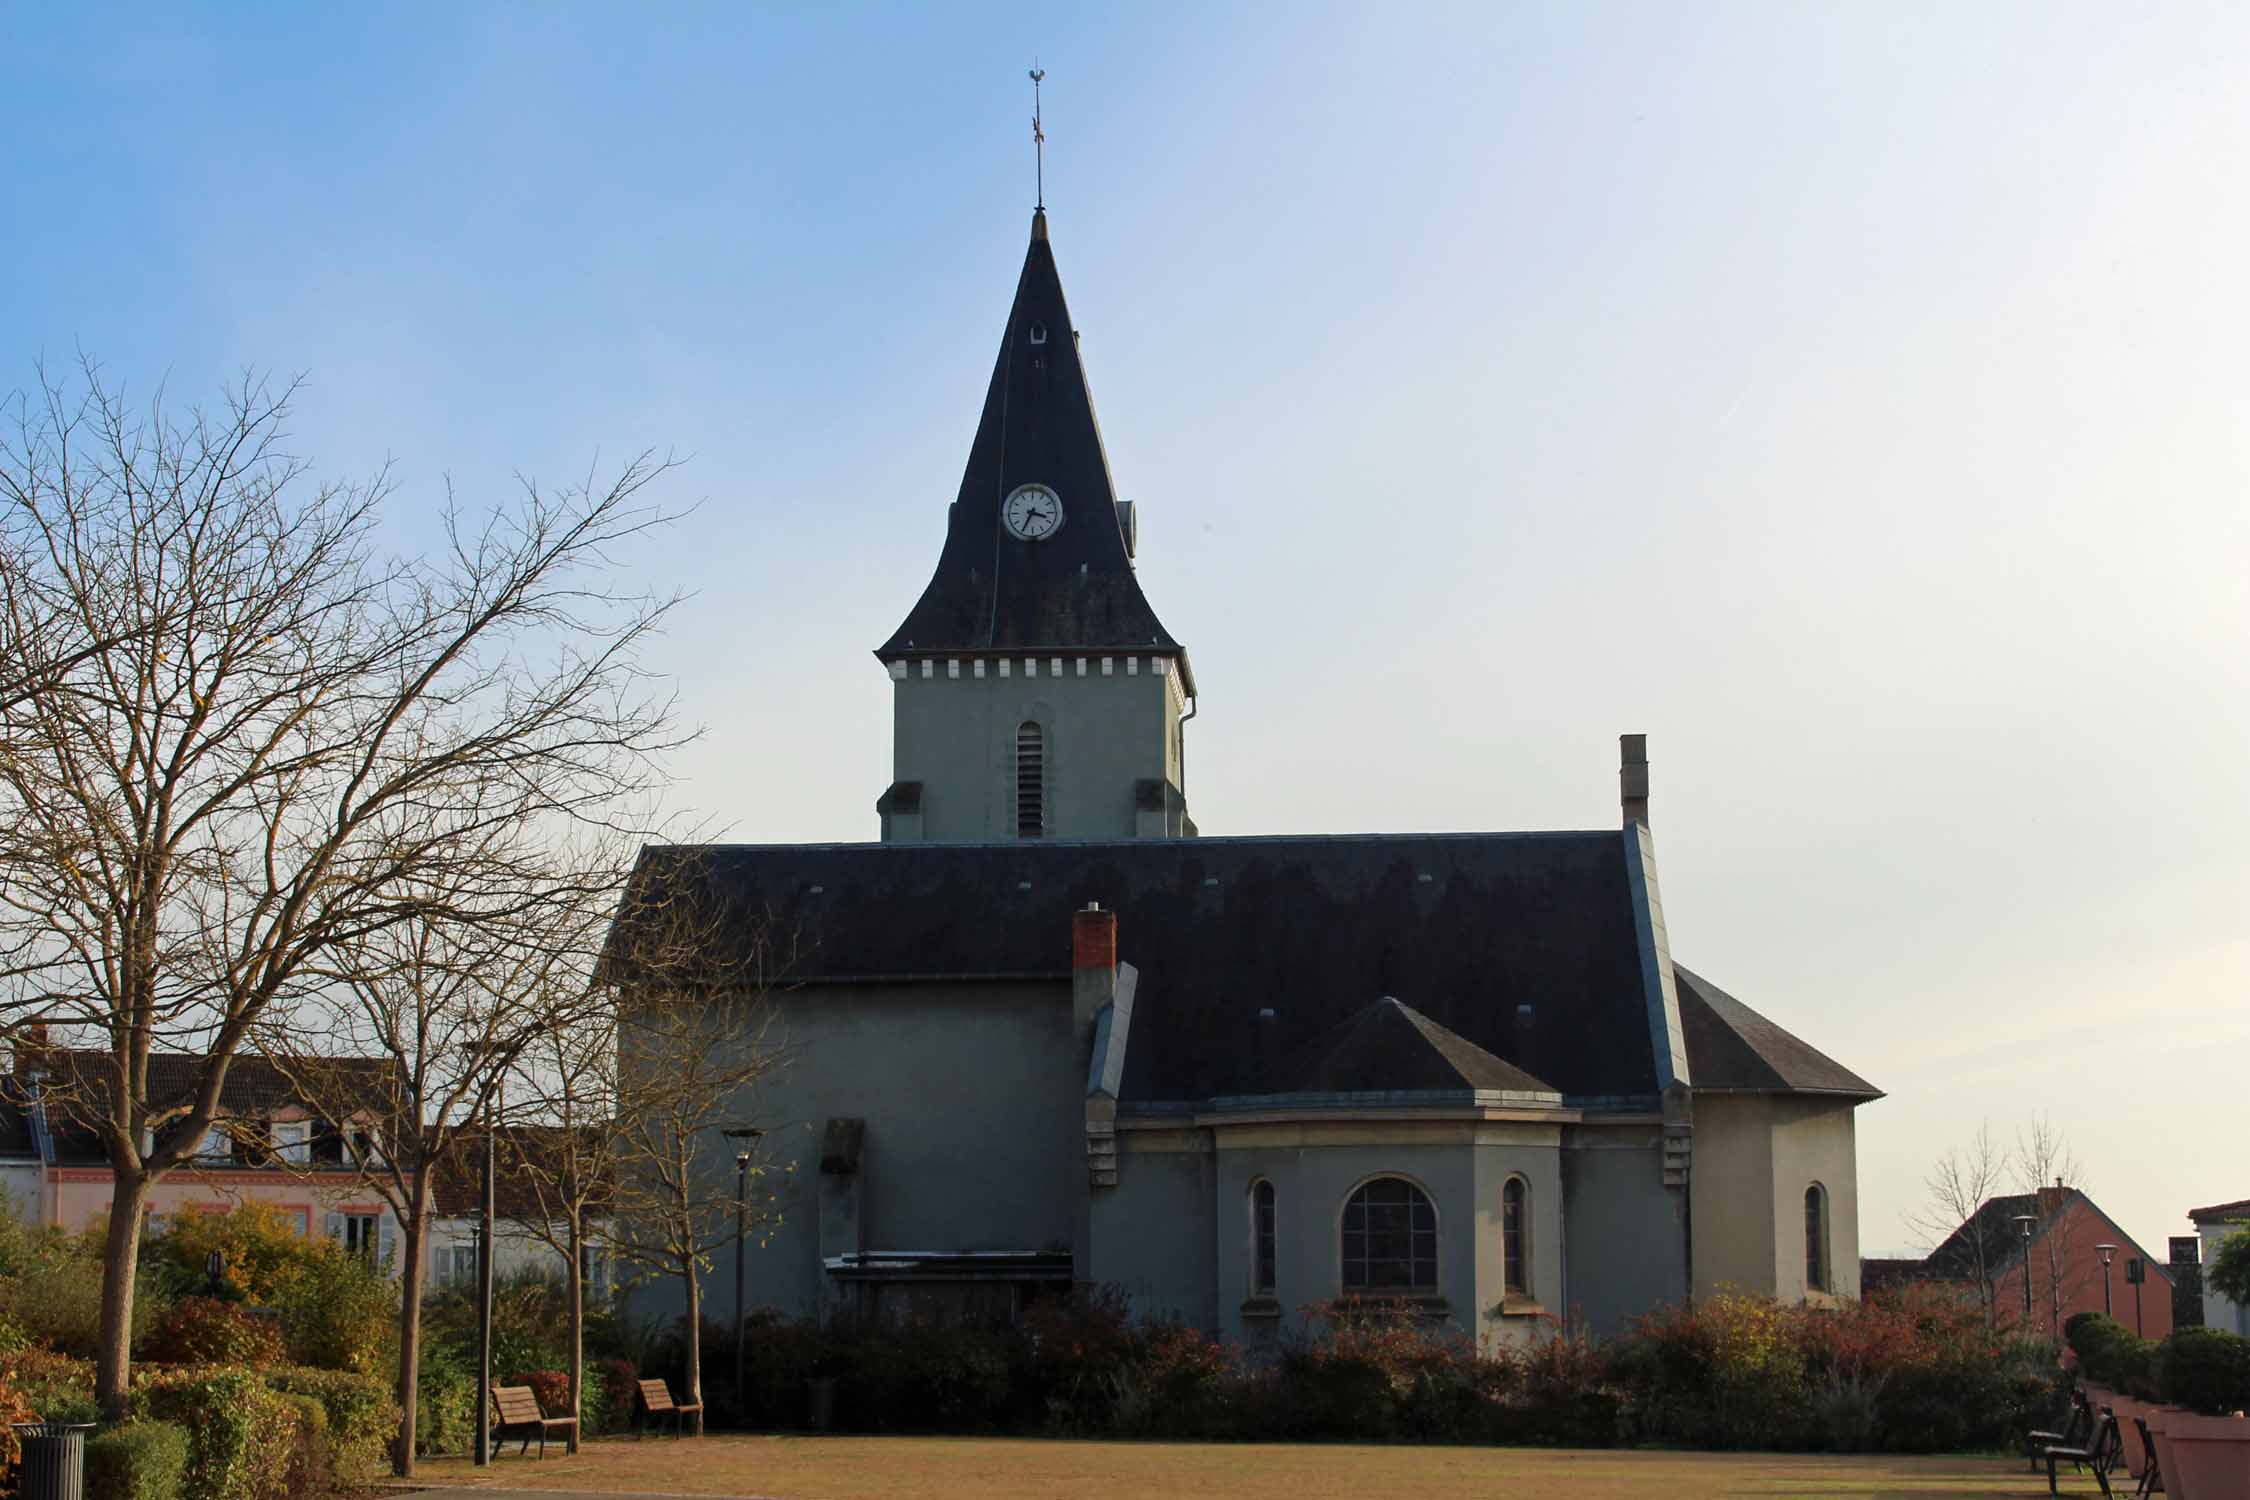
pixel 2064 1254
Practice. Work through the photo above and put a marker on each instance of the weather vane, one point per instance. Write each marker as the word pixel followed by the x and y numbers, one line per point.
pixel 1038 136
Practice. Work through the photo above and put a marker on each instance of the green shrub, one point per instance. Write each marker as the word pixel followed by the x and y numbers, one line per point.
pixel 445 1401
pixel 341 1313
pixel 360 1418
pixel 137 1461
pixel 2206 1370
pixel 207 1331
pixel 242 1435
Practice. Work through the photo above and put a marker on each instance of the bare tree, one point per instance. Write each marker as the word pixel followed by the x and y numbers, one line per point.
pixel 257 743
pixel 1959 1186
pixel 696 1038
pixel 565 1158
pixel 451 1009
pixel 2047 1170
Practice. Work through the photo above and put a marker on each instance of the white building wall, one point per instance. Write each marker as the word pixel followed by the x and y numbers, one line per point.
pixel 2218 1311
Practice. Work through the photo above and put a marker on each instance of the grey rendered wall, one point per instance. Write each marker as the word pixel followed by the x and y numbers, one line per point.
pixel 957 737
pixel 1314 1169
pixel 1815 1140
pixel 1732 1180
pixel 1152 1234
pixel 1625 1239
pixel 973 1097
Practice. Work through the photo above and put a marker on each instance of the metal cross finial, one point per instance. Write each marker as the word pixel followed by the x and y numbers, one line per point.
pixel 1038 136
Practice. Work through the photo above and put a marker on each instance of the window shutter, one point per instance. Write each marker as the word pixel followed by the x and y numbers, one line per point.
pixel 386 1239
pixel 1031 781
pixel 332 1225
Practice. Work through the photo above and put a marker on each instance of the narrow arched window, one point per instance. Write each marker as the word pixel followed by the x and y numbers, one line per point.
pixel 1261 1239
pixel 1816 1239
pixel 1031 781
pixel 1390 1238
pixel 1515 1226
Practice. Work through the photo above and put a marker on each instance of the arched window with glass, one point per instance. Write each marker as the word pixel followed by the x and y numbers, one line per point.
pixel 1389 1238
pixel 1515 1237
pixel 1262 1255
pixel 1031 780
pixel 1816 1239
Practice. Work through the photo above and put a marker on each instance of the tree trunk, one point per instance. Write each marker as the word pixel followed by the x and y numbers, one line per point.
pixel 577 1328
pixel 409 1336
pixel 694 1341
pixel 121 1252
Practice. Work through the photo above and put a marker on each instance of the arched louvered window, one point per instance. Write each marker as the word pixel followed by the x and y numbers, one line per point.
pixel 1390 1238
pixel 1261 1239
pixel 1515 1227
pixel 1031 781
pixel 1816 1239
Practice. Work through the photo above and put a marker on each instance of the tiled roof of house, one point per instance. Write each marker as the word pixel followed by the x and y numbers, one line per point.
pixel 2239 1209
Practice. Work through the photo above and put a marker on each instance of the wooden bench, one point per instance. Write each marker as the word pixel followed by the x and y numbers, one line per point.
pixel 657 1403
pixel 517 1411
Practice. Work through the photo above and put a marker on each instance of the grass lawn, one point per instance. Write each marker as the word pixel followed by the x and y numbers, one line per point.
pixel 852 1468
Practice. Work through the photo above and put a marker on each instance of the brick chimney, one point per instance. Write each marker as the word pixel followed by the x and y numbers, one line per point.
pixel 1632 777
pixel 1093 964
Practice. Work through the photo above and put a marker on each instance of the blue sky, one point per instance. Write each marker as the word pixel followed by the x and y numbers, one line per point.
pixel 1847 396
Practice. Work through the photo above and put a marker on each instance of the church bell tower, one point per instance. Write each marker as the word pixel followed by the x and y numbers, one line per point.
pixel 1035 695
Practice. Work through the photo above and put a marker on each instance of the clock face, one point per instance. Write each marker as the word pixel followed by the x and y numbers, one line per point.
pixel 1033 512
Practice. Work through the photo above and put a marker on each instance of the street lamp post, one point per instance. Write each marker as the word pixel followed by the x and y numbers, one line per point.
pixel 742 1136
pixel 2107 1253
pixel 485 1216
pixel 2023 1223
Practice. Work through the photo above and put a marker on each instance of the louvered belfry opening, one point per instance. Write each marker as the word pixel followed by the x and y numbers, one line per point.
pixel 1031 781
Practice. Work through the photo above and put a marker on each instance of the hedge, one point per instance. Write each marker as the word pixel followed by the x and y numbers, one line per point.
pixel 360 1418
pixel 137 1461
pixel 2206 1370
pixel 243 1436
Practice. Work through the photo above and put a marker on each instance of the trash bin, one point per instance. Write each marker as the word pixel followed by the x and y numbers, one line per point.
pixel 820 1398
pixel 54 1460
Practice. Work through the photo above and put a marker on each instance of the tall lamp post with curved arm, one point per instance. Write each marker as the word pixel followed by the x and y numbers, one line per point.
pixel 2023 1223
pixel 742 1136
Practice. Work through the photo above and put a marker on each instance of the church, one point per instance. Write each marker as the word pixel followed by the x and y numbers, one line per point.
pixel 1043 1035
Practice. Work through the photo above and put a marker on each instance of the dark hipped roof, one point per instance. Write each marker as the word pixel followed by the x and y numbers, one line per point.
pixel 1465 928
pixel 2239 1209
pixel 1733 1049
pixel 1390 1047
pixel 1074 590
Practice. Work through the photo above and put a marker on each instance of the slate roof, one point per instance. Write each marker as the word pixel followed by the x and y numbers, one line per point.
pixel 1521 945
pixel 1389 1048
pixel 1074 590
pixel 1733 1049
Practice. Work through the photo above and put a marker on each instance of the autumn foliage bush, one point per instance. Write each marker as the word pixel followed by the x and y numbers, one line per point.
pixel 207 1331
pixel 1911 1371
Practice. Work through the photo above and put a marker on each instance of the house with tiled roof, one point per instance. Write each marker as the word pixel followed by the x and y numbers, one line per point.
pixel 1043 1034
pixel 266 1146
pixel 2049 1255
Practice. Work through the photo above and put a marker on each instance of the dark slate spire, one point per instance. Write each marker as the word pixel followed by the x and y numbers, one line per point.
pixel 1074 591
